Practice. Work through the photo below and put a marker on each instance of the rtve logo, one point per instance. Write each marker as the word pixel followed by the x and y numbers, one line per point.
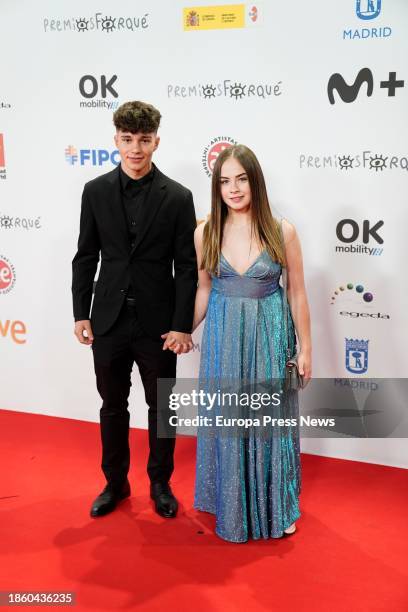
pixel 15 330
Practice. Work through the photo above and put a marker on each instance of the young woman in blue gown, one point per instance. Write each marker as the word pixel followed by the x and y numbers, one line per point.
pixel 251 482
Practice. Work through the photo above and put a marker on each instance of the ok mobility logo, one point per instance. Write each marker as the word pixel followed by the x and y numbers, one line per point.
pixel 91 87
pixel 91 157
pixel 349 231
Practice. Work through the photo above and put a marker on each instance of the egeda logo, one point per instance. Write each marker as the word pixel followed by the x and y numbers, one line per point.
pixel 356 302
pixel 356 356
pixel 91 157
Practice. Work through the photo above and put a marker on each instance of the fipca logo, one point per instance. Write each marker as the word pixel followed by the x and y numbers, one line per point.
pixel 7 275
pixel 3 174
pixel 90 87
pixel 349 231
pixel 370 161
pixel 96 23
pixel 212 151
pixel 356 302
pixel 349 93
pixel 356 356
pixel 367 10
pixel 91 157
pixel 4 105
pixel 235 90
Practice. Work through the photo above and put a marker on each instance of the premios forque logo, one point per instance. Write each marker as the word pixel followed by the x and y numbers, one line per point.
pixel 91 157
pixel 212 151
pixel 367 10
pixel 15 222
pixel 371 161
pixel 7 275
pixel 96 23
pixel 356 302
pixel 98 91
pixel 230 89
pixel 3 174
pixel 356 356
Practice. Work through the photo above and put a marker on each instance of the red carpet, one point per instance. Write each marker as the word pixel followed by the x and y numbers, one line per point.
pixel 350 551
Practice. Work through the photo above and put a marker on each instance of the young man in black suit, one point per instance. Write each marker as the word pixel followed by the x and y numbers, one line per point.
pixel 141 224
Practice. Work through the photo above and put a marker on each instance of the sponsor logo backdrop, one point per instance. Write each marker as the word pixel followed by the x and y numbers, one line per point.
pixel 320 94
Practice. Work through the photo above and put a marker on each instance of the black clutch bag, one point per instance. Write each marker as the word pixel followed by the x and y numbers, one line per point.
pixel 293 380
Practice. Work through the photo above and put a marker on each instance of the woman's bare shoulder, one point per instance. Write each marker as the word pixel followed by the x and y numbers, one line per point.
pixel 199 231
pixel 289 231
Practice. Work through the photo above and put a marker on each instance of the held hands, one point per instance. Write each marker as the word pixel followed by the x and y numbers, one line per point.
pixel 178 342
pixel 83 332
pixel 304 360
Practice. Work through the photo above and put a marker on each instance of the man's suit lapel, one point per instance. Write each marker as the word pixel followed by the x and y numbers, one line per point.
pixel 151 206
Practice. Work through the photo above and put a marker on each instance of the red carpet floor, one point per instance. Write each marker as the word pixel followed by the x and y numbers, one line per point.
pixel 350 551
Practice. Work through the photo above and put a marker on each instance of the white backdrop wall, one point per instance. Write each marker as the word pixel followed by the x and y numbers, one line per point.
pixel 264 85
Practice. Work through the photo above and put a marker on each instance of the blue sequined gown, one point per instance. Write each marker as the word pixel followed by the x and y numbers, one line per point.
pixel 251 484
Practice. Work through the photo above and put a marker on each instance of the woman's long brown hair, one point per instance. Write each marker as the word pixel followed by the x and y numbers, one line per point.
pixel 263 226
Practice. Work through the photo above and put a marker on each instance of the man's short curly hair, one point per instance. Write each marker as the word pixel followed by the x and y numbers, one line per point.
pixel 137 117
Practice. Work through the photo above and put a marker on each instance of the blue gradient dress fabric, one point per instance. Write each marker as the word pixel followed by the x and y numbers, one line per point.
pixel 251 482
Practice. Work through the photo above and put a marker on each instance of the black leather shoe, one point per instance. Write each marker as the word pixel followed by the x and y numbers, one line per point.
pixel 165 503
pixel 108 499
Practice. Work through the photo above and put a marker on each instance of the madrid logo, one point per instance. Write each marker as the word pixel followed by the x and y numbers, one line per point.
pixel 212 151
pixel 368 9
pixel 7 275
pixel 356 356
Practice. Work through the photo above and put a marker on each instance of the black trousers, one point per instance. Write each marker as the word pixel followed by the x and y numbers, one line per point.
pixel 114 354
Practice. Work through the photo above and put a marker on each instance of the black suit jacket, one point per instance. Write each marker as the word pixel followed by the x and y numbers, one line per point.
pixel 165 299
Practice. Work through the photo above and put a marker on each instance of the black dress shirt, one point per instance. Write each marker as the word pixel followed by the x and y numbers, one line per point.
pixel 135 193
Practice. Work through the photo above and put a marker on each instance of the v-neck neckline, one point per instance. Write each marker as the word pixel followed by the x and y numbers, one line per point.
pixel 248 269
